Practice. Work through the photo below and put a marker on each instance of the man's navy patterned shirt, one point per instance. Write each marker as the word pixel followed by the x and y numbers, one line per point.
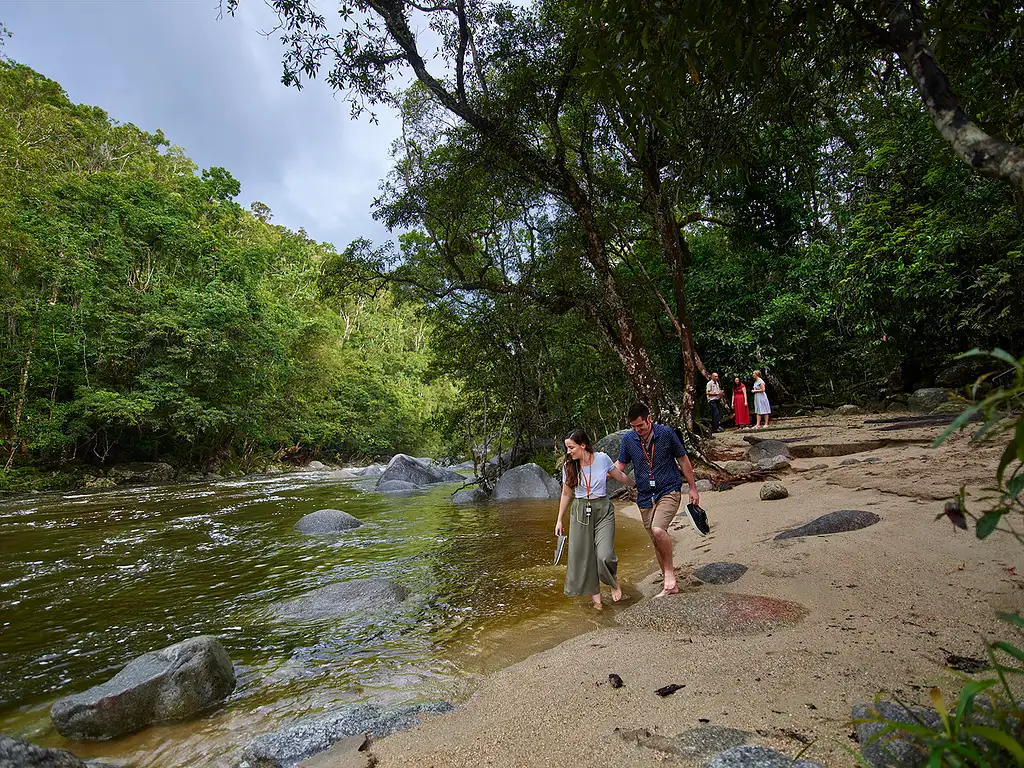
pixel 667 477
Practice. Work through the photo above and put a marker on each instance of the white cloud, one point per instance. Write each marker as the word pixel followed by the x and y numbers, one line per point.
pixel 214 88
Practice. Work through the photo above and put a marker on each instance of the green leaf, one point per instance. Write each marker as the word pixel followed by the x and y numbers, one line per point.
pixel 1011 618
pixel 1006 357
pixel 1013 650
pixel 1003 739
pixel 987 523
pixel 1015 485
pixel 939 703
pixel 968 694
pixel 1009 456
pixel 958 422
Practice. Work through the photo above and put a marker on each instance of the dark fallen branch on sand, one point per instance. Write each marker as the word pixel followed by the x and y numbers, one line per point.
pixel 913 422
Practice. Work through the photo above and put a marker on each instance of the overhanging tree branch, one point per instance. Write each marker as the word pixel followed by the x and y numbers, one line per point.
pixel 986 154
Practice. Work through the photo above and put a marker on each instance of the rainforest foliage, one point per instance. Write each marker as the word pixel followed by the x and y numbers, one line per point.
pixel 149 316
pixel 593 202
pixel 609 200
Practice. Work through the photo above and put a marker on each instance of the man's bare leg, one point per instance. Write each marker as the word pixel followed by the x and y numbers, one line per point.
pixel 663 549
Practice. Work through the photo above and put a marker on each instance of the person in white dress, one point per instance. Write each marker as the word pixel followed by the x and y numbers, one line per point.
pixel 761 405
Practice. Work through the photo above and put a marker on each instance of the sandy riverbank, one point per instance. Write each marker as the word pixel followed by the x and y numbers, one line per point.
pixel 885 605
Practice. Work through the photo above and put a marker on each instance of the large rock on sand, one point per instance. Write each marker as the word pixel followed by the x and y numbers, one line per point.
pixel 529 481
pixel 327 521
pixel 311 735
pixel 928 399
pixel 767 449
pixel 343 597
pixel 739 467
pixel 15 753
pixel 834 522
pixel 773 491
pixel 750 756
pixel 774 464
pixel 610 444
pixel 712 613
pixel 406 469
pixel 893 748
pixel 719 573
pixel 170 684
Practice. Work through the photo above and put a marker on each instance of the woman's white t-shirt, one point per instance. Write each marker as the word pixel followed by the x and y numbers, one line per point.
pixel 596 475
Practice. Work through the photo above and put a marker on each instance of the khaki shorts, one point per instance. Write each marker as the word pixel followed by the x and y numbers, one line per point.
pixel 663 511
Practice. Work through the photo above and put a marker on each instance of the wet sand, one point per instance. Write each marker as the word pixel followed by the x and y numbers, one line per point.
pixel 884 607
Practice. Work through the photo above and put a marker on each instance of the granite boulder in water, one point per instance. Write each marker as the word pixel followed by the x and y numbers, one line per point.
pixel 311 735
pixel 397 486
pixel 406 469
pixel 327 521
pixel 141 473
pixel 15 753
pixel 343 597
pixel 469 496
pixel 529 481
pixel 170 684
pixel 834 522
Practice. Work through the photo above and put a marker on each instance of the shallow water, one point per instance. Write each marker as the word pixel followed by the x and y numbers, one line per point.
pixel 89 581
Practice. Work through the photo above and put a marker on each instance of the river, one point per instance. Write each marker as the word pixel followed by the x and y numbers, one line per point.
pixel 89 581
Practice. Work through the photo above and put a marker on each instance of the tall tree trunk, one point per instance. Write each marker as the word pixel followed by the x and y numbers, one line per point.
pixel 15 437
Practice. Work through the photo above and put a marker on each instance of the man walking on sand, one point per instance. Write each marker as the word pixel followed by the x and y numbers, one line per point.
pixel 659 463
pixel 714 391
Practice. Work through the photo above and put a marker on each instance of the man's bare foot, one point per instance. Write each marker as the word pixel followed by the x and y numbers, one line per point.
pixel 673 590
pixel 616 594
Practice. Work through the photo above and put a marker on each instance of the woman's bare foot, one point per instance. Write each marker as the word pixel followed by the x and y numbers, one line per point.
pixel 597 603
pixel 673 590
pixel 616 594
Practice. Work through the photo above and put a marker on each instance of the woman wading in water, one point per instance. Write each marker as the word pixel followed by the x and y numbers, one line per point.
pixel 592 518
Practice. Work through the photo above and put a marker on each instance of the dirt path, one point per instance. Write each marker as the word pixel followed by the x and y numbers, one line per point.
pixel 884 607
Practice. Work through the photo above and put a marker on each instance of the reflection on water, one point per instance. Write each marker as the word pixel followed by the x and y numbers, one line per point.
pixel 90 581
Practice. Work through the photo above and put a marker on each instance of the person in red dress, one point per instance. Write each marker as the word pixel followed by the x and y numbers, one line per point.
pixel 739 403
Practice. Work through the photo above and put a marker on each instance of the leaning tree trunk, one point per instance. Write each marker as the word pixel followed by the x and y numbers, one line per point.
pixel 678 256
pixel 672 245
pixel 617 323
pixel 984 153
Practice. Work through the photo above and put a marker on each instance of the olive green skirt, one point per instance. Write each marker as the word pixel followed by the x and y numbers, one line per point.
pixel 591 547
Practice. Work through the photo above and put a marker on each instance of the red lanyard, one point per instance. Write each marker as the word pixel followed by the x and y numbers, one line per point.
pixel 583 476
pixel 650 458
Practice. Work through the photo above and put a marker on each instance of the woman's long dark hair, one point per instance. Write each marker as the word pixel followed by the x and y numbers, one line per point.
pixel 572 466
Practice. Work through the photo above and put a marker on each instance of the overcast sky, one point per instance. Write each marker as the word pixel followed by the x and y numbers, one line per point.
pixel 213 86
